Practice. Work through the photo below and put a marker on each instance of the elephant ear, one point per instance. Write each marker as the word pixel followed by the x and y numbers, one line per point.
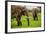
pixel 35 10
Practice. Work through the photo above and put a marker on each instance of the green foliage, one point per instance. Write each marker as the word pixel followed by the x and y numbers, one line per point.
pixel 32 23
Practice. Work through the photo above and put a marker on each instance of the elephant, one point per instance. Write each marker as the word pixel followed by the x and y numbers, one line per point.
pixel 35 13
pixel 18 11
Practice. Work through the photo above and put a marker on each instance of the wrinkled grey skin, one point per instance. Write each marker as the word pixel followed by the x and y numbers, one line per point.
pixel 18 11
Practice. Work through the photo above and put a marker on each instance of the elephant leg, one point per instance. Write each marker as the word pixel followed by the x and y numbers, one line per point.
pixel 37 18
pixel 18 21
pixel 34 17
pixel 28 20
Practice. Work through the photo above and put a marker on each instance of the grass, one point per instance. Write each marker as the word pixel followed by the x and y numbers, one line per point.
pixel 32 23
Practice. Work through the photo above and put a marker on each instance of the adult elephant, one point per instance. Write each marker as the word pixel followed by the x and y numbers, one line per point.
pixel 18 11
pixel 35 13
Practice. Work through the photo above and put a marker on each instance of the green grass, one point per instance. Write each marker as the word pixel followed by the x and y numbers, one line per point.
pixel 32 23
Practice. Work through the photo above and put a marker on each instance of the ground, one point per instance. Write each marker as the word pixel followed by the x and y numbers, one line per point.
pixel 32 23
